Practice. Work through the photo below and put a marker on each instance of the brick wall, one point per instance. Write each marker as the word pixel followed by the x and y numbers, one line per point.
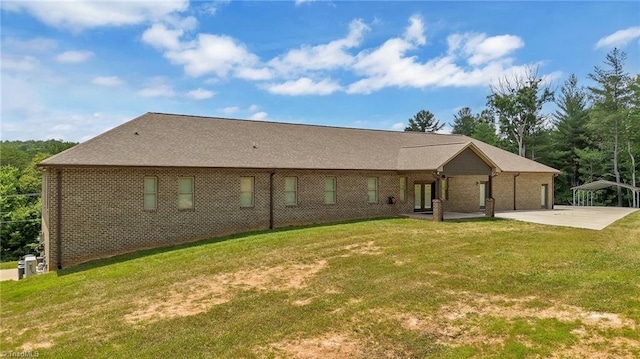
pixel 528 190
pixel 464 194
pixel 503 191
pixel 103 212
pixel 527 187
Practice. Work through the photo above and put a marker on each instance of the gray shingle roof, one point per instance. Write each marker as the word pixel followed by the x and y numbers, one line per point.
pixel 165 140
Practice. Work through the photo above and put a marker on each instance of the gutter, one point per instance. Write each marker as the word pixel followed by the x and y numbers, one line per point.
pixel 59 218
pixel 514 190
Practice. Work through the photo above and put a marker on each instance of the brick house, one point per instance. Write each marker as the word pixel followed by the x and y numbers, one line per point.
pixel 163 179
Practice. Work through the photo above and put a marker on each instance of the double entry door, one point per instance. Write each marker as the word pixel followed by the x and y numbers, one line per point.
pixel 423 194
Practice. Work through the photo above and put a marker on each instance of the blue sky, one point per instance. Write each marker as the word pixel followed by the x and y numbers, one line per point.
pixel 74 69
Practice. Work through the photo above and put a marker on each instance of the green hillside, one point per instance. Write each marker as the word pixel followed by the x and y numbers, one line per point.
pixel 390 288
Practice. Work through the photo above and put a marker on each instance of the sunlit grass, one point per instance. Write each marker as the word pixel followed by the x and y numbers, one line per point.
pixel 9 265
pixel 382 288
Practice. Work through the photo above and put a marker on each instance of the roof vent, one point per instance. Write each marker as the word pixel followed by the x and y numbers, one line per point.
pixel 254 144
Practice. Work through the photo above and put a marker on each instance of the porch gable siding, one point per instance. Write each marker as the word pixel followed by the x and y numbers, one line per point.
pixel 467 163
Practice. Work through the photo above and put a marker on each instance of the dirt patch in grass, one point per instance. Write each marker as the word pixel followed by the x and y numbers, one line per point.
pixel 600 348
pixel 368 248
pixel 27 347
pixel 460 324
pixel 200 294
pixel 512 308
pixel 330 346
pixel 302 302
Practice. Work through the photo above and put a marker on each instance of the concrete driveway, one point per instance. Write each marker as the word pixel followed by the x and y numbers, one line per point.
pixel 9 274
pixel 596 218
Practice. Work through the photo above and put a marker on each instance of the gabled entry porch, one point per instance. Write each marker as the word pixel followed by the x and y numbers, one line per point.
pixel 460 187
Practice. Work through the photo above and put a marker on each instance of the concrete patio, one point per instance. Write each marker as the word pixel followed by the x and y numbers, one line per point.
pixel 596 218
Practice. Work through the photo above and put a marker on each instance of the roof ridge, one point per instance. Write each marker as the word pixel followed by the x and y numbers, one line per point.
pixel 305 124
pixel 438 144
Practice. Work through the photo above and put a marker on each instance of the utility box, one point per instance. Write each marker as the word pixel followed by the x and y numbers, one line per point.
pixel 30 265
pixel 20 269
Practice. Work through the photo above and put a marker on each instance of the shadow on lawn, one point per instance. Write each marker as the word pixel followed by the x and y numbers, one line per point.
pixel 96 263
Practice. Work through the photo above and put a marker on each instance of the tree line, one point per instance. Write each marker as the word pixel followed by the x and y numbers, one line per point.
pixel 20 189
pixel 594 133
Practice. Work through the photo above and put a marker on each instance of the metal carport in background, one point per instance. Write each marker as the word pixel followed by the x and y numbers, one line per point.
pixel 583 194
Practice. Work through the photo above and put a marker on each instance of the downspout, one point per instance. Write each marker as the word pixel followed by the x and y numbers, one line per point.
pixel 553 190
pixel 271 199
pixel 59 218
pixel 514 189
pixel 490 186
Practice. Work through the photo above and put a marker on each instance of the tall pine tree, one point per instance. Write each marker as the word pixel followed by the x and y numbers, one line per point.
pixel 424 121
pixel 569 136
pixel 612 95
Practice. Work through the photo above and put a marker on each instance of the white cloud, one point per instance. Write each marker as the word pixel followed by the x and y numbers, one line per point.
pixel 494 47
pixel 106 81
pixel 398 126
pixel 160 37
pixel 211 8
pixel 322 57
pixel 472 59
pixel 259 116
pixel 212 54
pixel 74 57
pixel 157 88
pixel 304 86
pixel 200 94
pixel 230 110
pixel 415 31
pixel 253 108
pixel 480 49
pixel 83 14
pixel 188 23
pixel 445 130
pixel 19 63
pixel 390 65
pixel 38 44
pixel 300 2
pixel 254 74
pixel 619 38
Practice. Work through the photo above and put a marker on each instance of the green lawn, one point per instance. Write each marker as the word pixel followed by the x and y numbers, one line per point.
pixel 9 265
pixel 391 288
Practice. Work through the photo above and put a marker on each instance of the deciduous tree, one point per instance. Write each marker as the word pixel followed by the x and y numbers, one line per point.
pixel 518 101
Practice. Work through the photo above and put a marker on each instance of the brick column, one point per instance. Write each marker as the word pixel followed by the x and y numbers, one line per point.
pixel 438 210
pixel 489 207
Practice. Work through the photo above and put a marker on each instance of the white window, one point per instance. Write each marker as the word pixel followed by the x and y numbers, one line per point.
pixel 330 190
pixel 403 189
pixel 372 189
pixel 290 191
pixel 246 191
pixel 150 193
pixel 185 192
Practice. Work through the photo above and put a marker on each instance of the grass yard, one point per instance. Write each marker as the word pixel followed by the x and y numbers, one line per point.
pixel 391 288
pixel 9 265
